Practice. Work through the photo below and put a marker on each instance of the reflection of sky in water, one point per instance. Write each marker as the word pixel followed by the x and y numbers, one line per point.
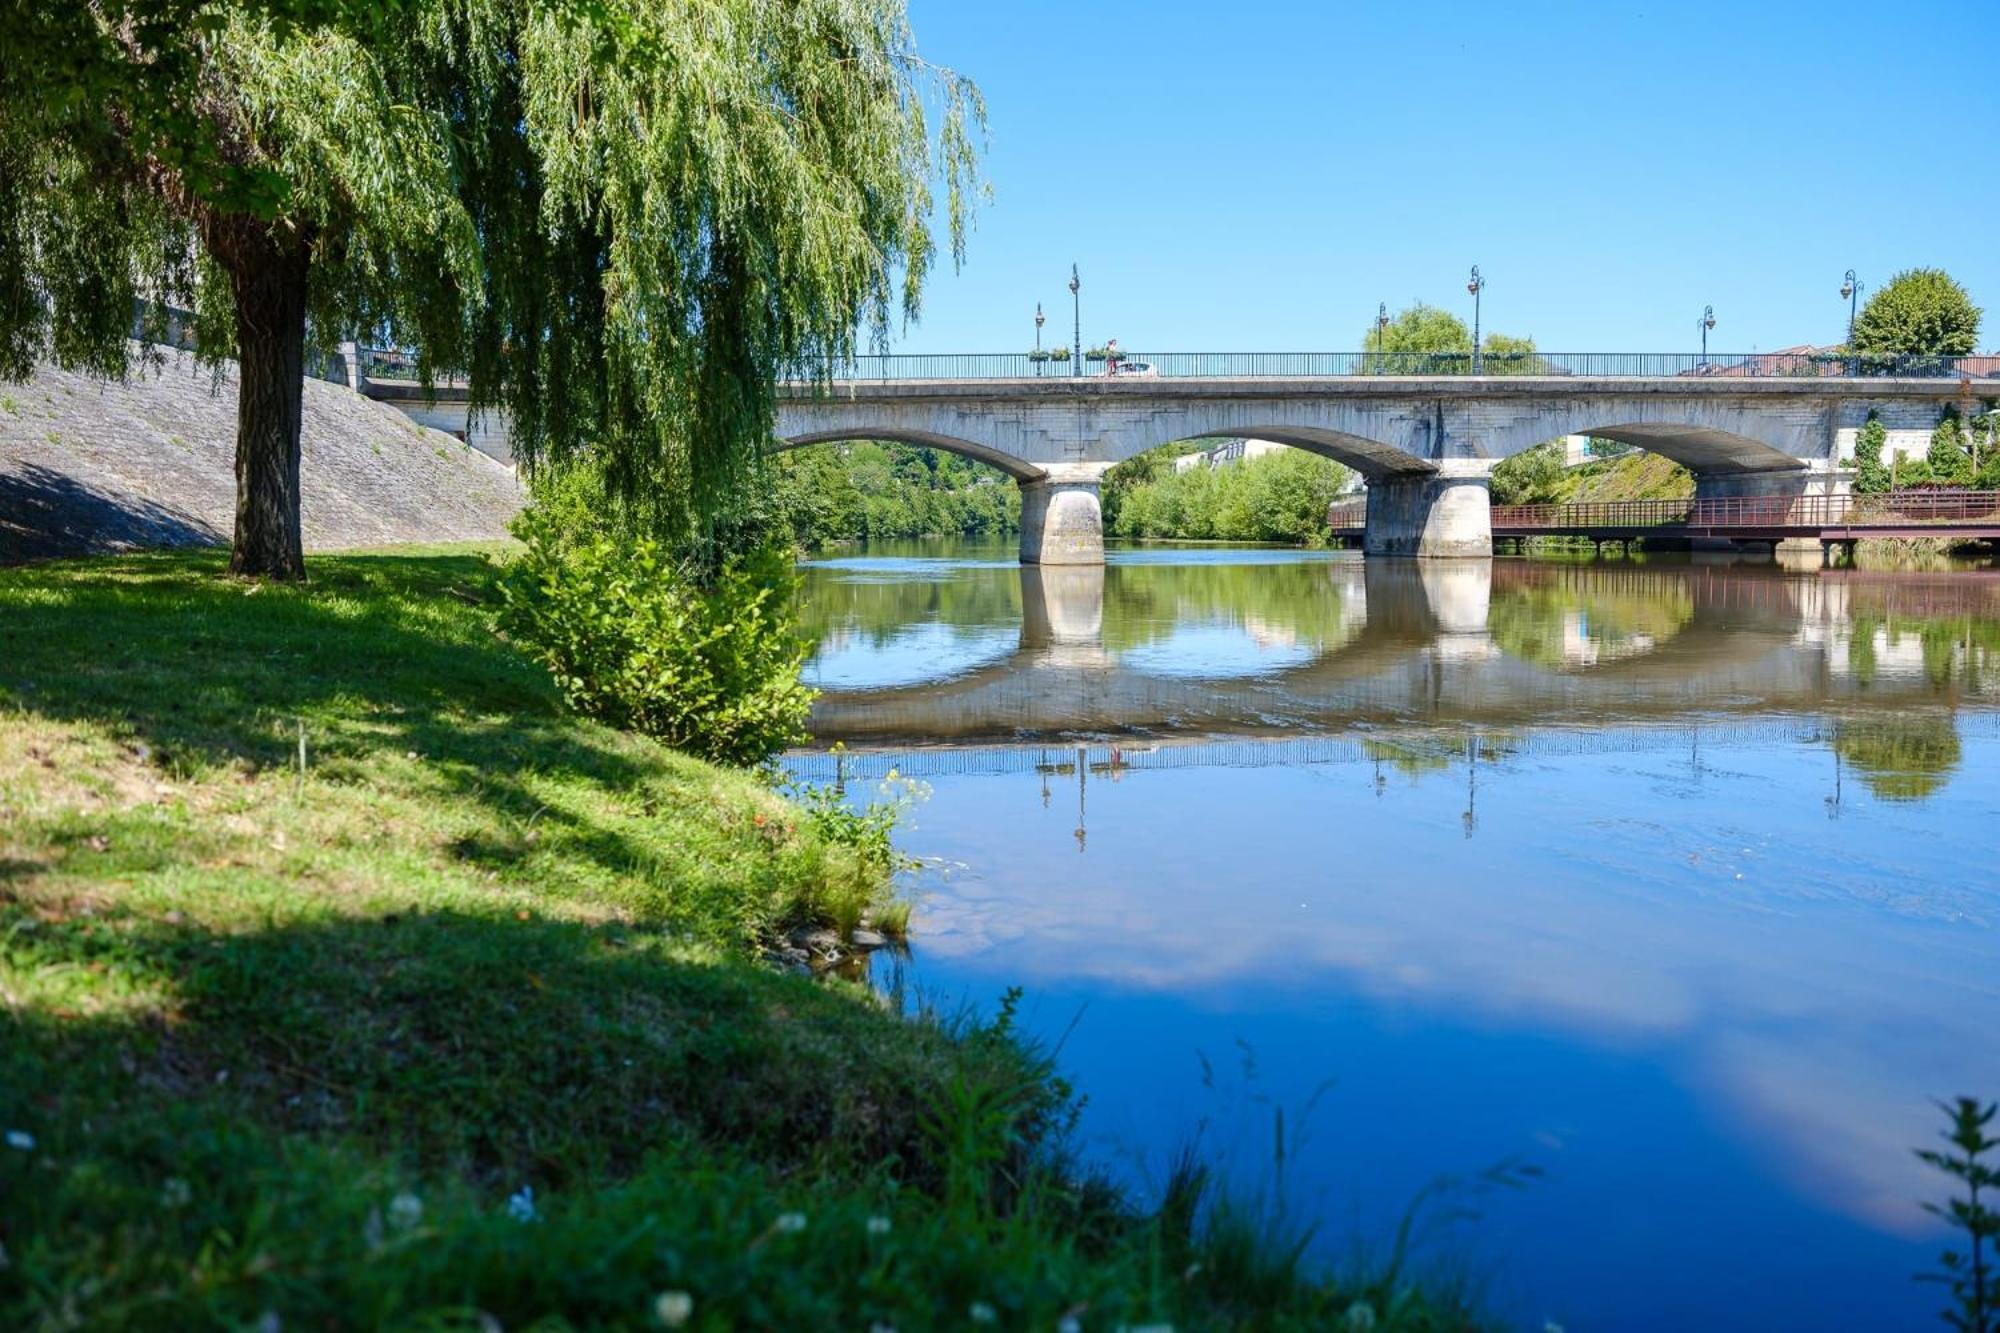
pixel 901 567
pixel 1712 1012
pixel 847 660
pixel 1215 649
pixel 1708 981
pixel 1170 554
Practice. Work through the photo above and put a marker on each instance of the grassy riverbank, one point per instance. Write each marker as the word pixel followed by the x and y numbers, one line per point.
pixel 466 1015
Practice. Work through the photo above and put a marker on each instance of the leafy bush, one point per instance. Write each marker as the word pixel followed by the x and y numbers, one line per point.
pixel 1533 476
pixel 876 489
pixel 1871 473
pixel 1279 497
pixel 710 667
pixel 1950 461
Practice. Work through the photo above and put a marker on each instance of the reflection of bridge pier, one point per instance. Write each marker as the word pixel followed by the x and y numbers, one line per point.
pixel 1444 602
pixel 1062 613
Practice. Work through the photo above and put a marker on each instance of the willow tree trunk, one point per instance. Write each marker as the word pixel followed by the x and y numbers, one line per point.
pixel 267 267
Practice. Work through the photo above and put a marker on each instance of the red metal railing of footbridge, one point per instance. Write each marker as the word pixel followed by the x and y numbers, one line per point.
pixel 1834 516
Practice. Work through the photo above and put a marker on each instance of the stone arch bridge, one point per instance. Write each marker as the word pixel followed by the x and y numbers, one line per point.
pixel 1426 445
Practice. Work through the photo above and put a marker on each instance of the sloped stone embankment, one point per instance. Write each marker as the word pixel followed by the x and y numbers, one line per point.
pixel 88 466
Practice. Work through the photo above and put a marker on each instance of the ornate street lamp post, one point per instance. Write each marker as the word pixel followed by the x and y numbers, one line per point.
pixel 1705 323
pixel 1381 335
pixel 1475 286
pixel 1038 337
pixel 1076 302
pixel 1850 287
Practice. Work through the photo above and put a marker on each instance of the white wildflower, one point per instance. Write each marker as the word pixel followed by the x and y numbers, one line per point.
pixel 878 1226
pixel 521 1206
pixel 790 1224
pixel 674 1308
pixel 982 1313
pixel 1360 1317
pixel 405 1211
pixel 22 1139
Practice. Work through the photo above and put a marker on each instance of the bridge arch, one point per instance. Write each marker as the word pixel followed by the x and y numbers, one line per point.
pixel 1701 450
pixel 1371 458
pixel 951 444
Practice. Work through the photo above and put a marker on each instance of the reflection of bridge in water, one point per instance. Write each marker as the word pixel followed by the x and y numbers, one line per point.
pixel 1501 645
pixel 1114 760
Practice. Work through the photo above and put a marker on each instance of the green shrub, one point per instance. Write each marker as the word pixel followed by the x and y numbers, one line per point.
pixel 1533 476
pixel 1871 474
pixel 711 668
pixel 1279 497
pixel 1949 458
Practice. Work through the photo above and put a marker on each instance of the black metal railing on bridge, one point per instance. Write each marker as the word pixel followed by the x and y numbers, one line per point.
pixel 1340 365
pixel 393 365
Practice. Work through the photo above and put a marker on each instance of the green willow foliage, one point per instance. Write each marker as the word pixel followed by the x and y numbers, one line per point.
pixel 1280 497
pixel 622 218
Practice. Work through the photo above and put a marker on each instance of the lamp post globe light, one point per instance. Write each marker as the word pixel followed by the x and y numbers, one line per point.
pixel 1476 285
pixel 1705 323
pixel 1850 287
pixel 1039 319
pixel 1076 304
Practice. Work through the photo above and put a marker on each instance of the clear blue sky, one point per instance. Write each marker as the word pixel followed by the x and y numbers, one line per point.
pixel 1256 175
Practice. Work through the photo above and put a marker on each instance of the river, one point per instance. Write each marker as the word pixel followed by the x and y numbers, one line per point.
pixel 1668 888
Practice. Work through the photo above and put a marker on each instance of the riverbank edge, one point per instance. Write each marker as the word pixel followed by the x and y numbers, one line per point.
pixel 346 982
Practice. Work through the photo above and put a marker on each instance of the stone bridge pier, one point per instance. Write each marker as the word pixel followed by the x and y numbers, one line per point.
pixel 1446 514
pixel 1062 515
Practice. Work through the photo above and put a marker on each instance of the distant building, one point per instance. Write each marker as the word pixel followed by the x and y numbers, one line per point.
pixel 1227 452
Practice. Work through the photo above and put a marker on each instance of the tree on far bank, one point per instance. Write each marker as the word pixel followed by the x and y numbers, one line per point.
pixel 621 219
pixel 1422 339
pixel 1919 312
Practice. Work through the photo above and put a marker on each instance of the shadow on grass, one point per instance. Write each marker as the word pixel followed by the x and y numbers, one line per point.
pixel 496 1049
pixel 46 514
pixel 380 658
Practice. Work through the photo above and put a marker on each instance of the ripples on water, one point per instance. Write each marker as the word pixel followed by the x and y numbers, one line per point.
pixel 1676 880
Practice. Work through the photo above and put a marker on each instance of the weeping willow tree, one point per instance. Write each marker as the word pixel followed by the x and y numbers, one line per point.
pixel 622 219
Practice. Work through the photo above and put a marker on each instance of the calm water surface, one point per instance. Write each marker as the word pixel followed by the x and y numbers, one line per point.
pixel 1677 882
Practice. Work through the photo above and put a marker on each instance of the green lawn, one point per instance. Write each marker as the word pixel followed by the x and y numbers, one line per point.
pixel 465 1025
